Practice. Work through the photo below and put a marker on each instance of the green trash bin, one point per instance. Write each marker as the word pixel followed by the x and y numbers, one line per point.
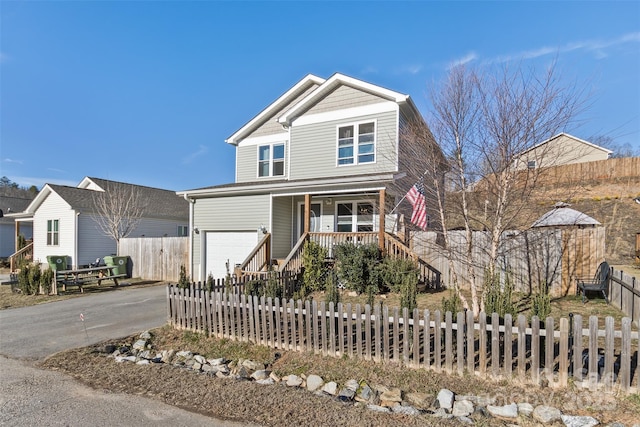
pixel 119 262
pixel 57 262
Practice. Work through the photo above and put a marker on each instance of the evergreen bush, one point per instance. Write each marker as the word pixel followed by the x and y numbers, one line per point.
pixel 541 302
pixel 357 264
pixel 313 256
pixel 453 303
pixel 497 296
pixel 183 280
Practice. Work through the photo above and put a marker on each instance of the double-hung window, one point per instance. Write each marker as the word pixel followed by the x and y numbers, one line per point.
pixel 271 160
pixel 183 230
pixel 354 216
pixel 53 231
pixel 356 143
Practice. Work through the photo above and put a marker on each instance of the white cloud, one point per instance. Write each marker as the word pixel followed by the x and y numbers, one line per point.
pixel 191 157
pixel 7 160
pixel 597 47
pixel 471 56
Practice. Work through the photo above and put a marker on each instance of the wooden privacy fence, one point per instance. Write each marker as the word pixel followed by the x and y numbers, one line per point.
pixel 554 256
pixel 533 352
pixel 624 293
pixel 156 258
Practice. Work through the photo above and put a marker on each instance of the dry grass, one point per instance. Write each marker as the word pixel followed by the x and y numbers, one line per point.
pixel 11 299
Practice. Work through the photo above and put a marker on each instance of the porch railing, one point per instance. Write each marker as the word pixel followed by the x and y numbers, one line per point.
pixel 330 240
pixel 258 259
pixel 293 262
pixel 395 248
pixel 24 253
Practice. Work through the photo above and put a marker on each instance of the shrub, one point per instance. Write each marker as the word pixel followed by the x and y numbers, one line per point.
pixel 273 287
pixel 208 285
pixel 23 279
pixel 313 256
pixel 541 302
pixel 408 295
pixel 453 303
pixel 394 273
pixel 34 279
pixel 46 278
pixel 183 280
pixel 331 287
pixel 356 264
pixel 497 296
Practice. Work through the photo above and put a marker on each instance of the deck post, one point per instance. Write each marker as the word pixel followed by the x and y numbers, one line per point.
pixel 307 212
pixel 381 217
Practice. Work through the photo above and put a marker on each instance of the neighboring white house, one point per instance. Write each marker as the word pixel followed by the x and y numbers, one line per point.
pixel 8 230
pixel 65 221
pixel 562 149
pixel 319 163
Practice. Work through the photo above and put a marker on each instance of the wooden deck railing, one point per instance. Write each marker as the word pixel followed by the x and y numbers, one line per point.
pixel 330 240
pixel 24 253
pixel 293 262
pixel 258 259
pixel 396 249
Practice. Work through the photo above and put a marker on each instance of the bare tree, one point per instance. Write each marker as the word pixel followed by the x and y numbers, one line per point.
pixel 119 209
pixel 483 122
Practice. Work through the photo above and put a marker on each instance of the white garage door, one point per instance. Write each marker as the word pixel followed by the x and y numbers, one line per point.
pixel 232 246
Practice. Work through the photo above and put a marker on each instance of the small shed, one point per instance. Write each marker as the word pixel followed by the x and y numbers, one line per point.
pixel 582 244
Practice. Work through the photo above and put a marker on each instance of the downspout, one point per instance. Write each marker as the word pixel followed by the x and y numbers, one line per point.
pixel 76 242
pixel 190 235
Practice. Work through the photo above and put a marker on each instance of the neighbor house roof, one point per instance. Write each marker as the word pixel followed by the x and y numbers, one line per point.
pixel 562 215
pixel 159 203
pixel 568 136
pixel 10 205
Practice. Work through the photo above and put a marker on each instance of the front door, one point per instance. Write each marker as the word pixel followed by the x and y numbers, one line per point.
pixel 314 224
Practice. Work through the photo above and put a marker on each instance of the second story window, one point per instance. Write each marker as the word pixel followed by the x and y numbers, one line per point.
pixel 356 143
pixel 271 160
pixel 53 238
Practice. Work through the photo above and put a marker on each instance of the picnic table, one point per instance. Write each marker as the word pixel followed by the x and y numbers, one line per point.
pixel 81 276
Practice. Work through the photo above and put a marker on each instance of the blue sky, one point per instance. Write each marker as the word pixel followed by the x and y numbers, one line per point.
pixel 146 92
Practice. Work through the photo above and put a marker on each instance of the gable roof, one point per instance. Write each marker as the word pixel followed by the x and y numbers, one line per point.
pixel 567 136
pixel 159 203
pixel 333 82
pixel 320 88
pixel 299 88
pixel 9 205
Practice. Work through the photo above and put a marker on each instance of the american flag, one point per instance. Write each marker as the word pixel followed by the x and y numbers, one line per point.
pixel 415 196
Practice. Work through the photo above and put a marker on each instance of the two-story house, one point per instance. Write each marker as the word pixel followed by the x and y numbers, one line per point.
pixel 321 162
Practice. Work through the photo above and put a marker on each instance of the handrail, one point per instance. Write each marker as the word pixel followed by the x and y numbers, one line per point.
pixel 295 252
pixel 12 258
pixel 394 247
pixel 259 256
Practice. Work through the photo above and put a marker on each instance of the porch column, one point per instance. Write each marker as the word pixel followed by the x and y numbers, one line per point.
pixel 381 217
pixel 17 227
pixel 307 212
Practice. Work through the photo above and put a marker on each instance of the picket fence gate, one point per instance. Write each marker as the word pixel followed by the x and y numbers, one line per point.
pixel 543 353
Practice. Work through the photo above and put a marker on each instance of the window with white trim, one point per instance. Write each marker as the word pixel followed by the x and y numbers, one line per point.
pixel 183 230
pixel 271 160
pixel 356 143
pixel 53 232
pixel 354 216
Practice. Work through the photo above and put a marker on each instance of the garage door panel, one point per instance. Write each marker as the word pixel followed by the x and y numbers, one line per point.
pixel 232 246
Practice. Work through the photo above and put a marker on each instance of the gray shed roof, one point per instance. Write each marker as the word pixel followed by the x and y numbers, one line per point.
pixel 563 215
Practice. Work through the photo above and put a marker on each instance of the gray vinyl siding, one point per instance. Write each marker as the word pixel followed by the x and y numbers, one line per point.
pixel 247 162
pixel 314 148
pixel 52 208
pixel 343 97
pixel 270 125
pixel 239 213
pixel 282 227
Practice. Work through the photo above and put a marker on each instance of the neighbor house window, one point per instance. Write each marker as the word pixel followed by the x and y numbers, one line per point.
pixel 183 230
pixel 53 238
pixel 531 164
pixel 354 216
pixel 271 160
pixel 356 143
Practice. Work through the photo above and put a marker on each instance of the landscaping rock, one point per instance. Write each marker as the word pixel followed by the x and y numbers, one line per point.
pixel 391 397
pixel 352 385
pixel 140 345
pixel 506 412
pixel 146 335
pixel 462 408
pixel 579 421
pixel 294 381
pixel 465 420
pixel 442 413
pixel 261 374
pixel 405 410
pixel 217 362
pixel 330 388
pixel 445 399
pixel 252 365
pixel 546 414
pixel 365 394
pixel 200 359
pixel 266 381
pixel 377 408
pixel 346 394
pixel 314 382
pixel 143 362
pixel 419 400
pixel 525 409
